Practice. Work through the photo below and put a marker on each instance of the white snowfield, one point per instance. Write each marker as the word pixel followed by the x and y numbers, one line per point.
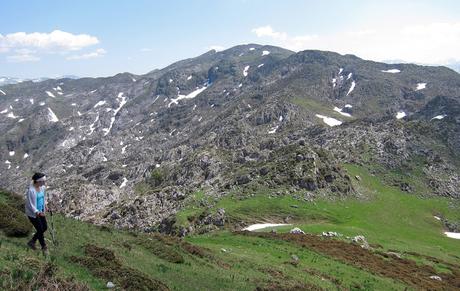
pixel 420 86
pixel 439 117
pixel 100 103
pixel 329 120
pixel 262 226
pixel 11 115
pixel 188 96
pixel 92 126
pixel 50 94
pixel 2 92
pixel 400 114
pixel 115 111
pixel 340 111
pixel 391 71
pixel 353 84
pixel 123 184
pixel 273 130
pixel 265 53
pixel 51 116
pixel 455 235
pixel 245 71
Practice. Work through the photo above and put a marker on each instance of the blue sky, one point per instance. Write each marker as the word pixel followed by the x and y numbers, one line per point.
pixel 102 37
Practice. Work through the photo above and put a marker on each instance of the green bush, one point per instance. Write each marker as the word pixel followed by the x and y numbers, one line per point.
pixel 157 177
pixel 13 222
pixel 12 200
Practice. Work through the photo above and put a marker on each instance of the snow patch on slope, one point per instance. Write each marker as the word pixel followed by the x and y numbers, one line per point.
pixel 420 86
pixel 115 111
pixel 329 120
pixel 353 84
pixel 51 116
pixel 100 103
pixel 11 115
pixel 455 235
pixel 340 111
pixel 245 71
pixel 263 225
pixel 124 182
pixel 391 71
pixel 188 96
pixel 400 114
pixel 439 117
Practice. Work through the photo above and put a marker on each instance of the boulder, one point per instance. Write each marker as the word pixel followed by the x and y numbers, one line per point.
pixel 331 234
pixel 110 285
pixel 361 240
pixel 296 230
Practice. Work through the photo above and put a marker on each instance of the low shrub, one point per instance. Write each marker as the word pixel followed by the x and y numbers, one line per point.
pixel 103 263
pixel 13 222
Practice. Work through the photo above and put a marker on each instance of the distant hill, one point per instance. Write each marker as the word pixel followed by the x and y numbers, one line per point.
pixel 12 80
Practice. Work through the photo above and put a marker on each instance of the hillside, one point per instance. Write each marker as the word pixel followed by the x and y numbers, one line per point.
pixel 133 151
pixel 403 247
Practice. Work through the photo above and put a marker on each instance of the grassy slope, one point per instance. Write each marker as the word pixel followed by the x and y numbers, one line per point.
pixel 393 219
pixel 246 262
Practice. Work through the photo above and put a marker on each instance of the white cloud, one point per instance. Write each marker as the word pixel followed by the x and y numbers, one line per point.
pixel 55 40
pixel 268 31
pixel 295 43
pixel 145 50
pixel 97 53
pixel 361 32
pixel 22 58
pixel 217 48
pixel 427 43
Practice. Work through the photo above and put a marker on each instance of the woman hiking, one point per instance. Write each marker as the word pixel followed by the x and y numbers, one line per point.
pixel 35 210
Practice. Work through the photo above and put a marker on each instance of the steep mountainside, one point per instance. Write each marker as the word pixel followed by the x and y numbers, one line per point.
pixel 131 150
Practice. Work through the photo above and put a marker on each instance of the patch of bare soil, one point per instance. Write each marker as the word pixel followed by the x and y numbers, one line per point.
pixel 275 286
pixel 401 269
pixel 103 263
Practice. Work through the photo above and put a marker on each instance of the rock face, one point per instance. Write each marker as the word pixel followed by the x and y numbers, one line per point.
pixel 129 150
